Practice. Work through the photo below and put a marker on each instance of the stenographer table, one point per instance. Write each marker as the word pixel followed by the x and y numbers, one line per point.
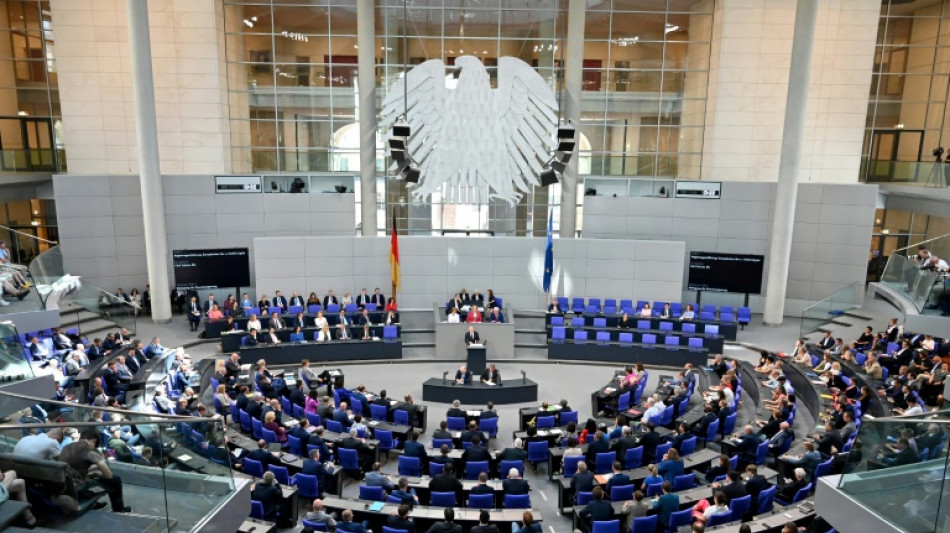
pixel 516 390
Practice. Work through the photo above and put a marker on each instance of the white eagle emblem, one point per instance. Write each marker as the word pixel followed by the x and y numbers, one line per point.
pixel 480 142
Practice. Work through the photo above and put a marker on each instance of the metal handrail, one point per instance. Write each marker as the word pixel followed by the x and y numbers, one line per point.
pixel 27 234
pixel 921 242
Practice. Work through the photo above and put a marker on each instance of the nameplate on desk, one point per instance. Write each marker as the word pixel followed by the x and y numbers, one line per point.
pixel 473 413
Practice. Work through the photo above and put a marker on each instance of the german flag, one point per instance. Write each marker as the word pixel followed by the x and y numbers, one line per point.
pixel 394 256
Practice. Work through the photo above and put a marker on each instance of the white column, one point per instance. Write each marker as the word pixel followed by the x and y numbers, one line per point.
pixel 573 84
pixel 786 190
pixel 150 175
pixel 366 41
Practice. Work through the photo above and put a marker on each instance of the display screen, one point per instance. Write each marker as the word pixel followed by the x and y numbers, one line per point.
pixel 211 269
pixel 717 272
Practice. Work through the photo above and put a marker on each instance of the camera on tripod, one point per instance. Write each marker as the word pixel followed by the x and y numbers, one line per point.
pixel 937 152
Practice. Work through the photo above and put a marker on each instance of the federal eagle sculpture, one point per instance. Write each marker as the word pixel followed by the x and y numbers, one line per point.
pixel 481 143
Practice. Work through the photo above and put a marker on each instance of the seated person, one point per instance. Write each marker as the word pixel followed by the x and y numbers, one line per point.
pixel 463 376
pixel 453 316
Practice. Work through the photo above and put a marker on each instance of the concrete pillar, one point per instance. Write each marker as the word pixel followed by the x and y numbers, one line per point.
pixel 366 41
pixel 786 190
pixel 573 84
pixel 150 175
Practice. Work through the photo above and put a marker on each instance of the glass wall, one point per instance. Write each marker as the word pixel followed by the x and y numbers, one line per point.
pixel 907 111
pixel 30 116
pixel 292 71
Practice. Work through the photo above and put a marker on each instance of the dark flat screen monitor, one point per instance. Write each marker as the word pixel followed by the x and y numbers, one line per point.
pixel 717 272
pixel 211 269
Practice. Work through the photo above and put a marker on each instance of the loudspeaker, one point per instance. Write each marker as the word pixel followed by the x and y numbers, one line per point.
pixel 411 174
pixel 401 129
pixel 548 177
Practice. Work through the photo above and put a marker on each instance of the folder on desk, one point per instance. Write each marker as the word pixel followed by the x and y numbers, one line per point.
pixel 377 506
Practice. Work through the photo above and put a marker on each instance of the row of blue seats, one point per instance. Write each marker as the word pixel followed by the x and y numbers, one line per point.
pixel 559 334
pixel 449 499
pixel 687 327
pixel 610 306
pixel 390 334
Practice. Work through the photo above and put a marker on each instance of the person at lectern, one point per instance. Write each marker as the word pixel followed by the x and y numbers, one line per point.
pixel 463 376
pixel 471 336
pixel 491 376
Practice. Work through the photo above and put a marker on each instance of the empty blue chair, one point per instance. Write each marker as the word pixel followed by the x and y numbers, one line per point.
pixel 280 474
pixel 654 489
pixel 625 338
pixel 734 462
pixel 603 338
pixel 256 428
pixel 680 518
pixel 517 501
pixel 695 343
pixel 314 419
pixel 557 320
pixel 666 326
pixel 333 309
pixel 666 418
pixel 649 339
pixel 577 305
pixel 740 506
pixel 387 529
pixel 595 302
pixel 583 498
pixel 295 446
pixel 612 526
pixel 257 510
pixel 390 333
pixel 570 465
pixel 727 317
pixel 744 316
pixel 435 468
pixel 349 459
pixel 410 466
pixel 626 304
pixel 537 452
pixel 253 468
pixel 730 425
pixel 706 315
pixel 623 402
pixel 437 443
pixel 558 334
pixel 473 468
pixel 561 302
pixel 456 423
pixel 334 426
pixel 600 322
pixel 580 336
pixel 481 501
pixel 307 485
pixel 610 310
pixel 269 436
pixel 711 329
pixel 689 327
pixel 711 432
pixel 823 469
pixel 633 457
pixel 684 482
pixel 591 310
pixel 661 451
pixel 577 322
pixel 386 441
pixel 378 412
pixel 761 453
pixel 489 426
pixel 313 308
pixel 672 340
pixel 719 519
pixel 372 493
pixel 567 416
pixel 442 499
pixel 545 422
pixel 643 324
pixel 610 302
pixel 604 462
pixel 643 524
pixel 621 493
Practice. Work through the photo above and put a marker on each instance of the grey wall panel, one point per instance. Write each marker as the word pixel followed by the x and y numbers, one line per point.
pixel 189 205
pixel 807 212
pixel 838 214
pixel 189 223
pixel 240 204
pixel 799 289
pixel 836 234
pixel 847 194
pixel 645 226
pixel 743 229
pixel 805 231
pixel 695 227
pixel 659 251
pixel 128 226
pixel 286 203
pixel 85 207
pixel 126 245
pixel 740 246
pixel 745 191
pixel 67 186
pixel 809 193
pixel 745 210
pixel 688 208
pixel 125 186
pixel 86 226
pixel 127 205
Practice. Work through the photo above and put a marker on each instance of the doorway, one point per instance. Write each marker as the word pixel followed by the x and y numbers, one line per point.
pixel 895 154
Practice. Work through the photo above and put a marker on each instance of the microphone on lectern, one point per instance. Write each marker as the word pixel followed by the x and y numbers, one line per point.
pixel 444 374
pixel 524 377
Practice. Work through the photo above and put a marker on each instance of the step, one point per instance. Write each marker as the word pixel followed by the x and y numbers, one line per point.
pixel 531 330
pixel 855 314
pixel 532 345
pixel 840 322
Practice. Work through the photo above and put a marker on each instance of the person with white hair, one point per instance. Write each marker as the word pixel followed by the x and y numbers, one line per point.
pixel 514 485
pixel 788 488
pixel 514 453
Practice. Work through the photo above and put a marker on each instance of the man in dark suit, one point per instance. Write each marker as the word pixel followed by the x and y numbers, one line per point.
pixel 316 439
pixel 787 491
pixel 353 442
pixel 251 338
pixel 701 427
pixel 232 367
pixel 280 301
pixel 268 493
pixel 409 406
pixel 489 411
pixel 362 299
pixel 96 350
pixel 456 410
pixel 340 415
pixel 583 480
pixel 209 303
pixel 326 409
pixel 483 526
pixel 314 466
pixel 598 445
pixel 276 322
pixel 413 448
pixel 297 301
pixel 755 484
pixel 491 375
pixel 471 433
pixel 297 397
pixel 597 510
pixel 463 377
pixel 733 488
pixel 446 481
pixel 299 431
pixel 401 520
pixel 746 445
pixel 255 407
pixel 624 443
pixel 471 336
pixel 443 431
pixel 330 299
pixel 482 487
pixel 514 485
pixel 826 342
pixel 379 299
pixel 263 455
pixel 476 452
pixel 619 479
pixel 649 440
pixel 448 525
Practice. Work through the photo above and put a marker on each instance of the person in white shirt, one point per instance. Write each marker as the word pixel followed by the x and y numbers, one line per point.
pixel 320 321
pixel 688 313
pixel 347 299
pixel 343 326
pixel 655 407
pixel 453 317
pixel 324 334
pixel 935 263
pixel 646 312
pixel 253 323
pixel 272 337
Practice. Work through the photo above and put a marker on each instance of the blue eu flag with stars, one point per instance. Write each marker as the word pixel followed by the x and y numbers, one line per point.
pixel 549 254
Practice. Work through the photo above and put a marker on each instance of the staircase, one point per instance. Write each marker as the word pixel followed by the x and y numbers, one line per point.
pixel 418 334
pixel 88 323
pixel 531 340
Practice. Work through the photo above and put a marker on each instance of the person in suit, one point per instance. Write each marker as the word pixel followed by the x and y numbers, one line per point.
pixel 379 299
pixel 209 304
pixel 476 452
pixel 297 301
pixel 754 484
pixel 268 493
pixel 489 411
pixel 649 440
pixel 491 375
pixel 456 410
pixel 347 525
pixel 251 338
pixel 362 299
pixel 598 509
pixel 746 445
pixel 598 445
pixel 409 406
pixel 276 322
pixel 483 526
pixel 263 455
pixel 330 299
pixel 554 307
pixel 733 488
pixel 514 453
pixel 343 326
pixel 471 336
pixel 95 351
pixel 624 443
pixel 279 301
pixel 401 520
pixel 618 479
pixel 413 448
pixel 448 525
pixel 666 504
pixel 446 481
pixel 194 313
pixel 407 495
pixel 583 480
pixel 482 487
pixel 463 377
pixel 514 484
pixel 701 427
pixel 365 321
pixel 788 490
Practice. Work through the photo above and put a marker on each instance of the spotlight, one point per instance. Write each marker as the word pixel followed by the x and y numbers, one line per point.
pixel 411 174
pixel 565 145
pixel 399 156
pixel 548 177
pixel 558 166
pixel 397 143
pixel 565 131
pixel 563 157
pixel 401 128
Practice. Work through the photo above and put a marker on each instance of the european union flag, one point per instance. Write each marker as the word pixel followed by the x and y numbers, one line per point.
pixel 549 254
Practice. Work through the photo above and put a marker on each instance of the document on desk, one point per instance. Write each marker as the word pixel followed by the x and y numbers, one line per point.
pixel 476 345
pixel 490 383
pixel 185 457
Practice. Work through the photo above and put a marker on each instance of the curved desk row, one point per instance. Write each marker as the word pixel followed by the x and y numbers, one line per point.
pixel 729 330
pixel 515 390
pixel 231 341
pixel 423 516
pixel 713 343
pixel 649 355
pixel 292 354
pixel 215 329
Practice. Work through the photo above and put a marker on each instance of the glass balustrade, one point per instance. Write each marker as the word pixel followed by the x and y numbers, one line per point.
pixel 921 286
pixel 13 364
pixel 837 303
